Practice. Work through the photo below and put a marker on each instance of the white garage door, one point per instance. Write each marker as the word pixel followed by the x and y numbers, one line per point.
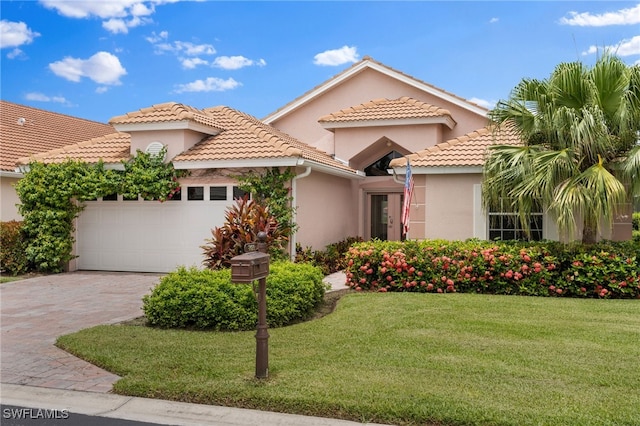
pixel 149 236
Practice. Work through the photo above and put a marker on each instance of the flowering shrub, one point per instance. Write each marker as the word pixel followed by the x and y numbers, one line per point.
pixel 535 269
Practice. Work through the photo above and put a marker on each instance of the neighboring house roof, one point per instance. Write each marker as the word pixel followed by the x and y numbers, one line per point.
pixel 386 111
pixel 246 138
pixel 169 114
pixel 111 149
pixel 369 63
pixel 25 131
pixel 464 151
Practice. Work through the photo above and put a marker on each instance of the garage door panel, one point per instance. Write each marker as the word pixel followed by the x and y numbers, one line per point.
pixel 145 236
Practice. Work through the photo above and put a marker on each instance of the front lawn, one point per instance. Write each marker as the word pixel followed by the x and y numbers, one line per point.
pixel 402 358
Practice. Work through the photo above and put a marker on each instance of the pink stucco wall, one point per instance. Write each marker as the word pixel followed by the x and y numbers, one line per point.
pixel 177 141
pixel 449 205
pixel 8 200
pixel 350 142
pixel 369 84
pixel 327 210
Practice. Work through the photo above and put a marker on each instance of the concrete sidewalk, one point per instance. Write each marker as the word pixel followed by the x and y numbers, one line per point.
pixel 152 410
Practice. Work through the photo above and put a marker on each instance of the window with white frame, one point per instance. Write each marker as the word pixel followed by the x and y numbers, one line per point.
pixel 505 225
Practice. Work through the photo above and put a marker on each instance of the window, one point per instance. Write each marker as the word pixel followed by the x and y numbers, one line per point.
pixel 508 226
pixel 195 193
pixel 379 168
pixel 217 193
pixel 239 193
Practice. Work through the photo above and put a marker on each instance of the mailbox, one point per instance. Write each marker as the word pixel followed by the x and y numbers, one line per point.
pixel 249 267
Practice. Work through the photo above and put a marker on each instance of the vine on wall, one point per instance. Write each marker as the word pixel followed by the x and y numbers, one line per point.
pixel 52 196
pixel 273 189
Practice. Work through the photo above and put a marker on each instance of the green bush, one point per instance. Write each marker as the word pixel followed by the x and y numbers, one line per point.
pixel 13 245
pixel 206 299
pixel 546 268
pixel 636 221
pixel 329 260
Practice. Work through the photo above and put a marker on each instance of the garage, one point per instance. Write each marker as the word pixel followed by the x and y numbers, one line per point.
pixel 115 234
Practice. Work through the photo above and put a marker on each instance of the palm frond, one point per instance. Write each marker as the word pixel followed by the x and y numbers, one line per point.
pixel 594 194
pixel 631 171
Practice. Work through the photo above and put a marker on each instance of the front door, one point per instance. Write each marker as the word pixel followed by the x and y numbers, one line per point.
pixel 384 215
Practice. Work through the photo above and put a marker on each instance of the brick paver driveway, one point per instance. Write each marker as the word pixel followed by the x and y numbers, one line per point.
pixel 36 311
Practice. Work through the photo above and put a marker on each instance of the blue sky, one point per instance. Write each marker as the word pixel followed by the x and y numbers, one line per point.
pixel 99 59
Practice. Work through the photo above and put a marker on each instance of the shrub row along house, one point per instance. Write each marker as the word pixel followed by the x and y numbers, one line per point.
pixel 347 140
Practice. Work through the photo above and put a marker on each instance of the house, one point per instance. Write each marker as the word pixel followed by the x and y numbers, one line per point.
pixel 25 131
pixel 347 140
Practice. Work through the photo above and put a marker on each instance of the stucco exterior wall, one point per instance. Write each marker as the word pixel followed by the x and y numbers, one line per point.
pixel 349 142
pixel 176 141
pixel 8 200
pixel 327 210
pixel 449 206
pixel 363 87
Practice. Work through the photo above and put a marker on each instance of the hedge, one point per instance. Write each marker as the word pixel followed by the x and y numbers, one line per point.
pixel 13 246
pixel 206 299
pixel 604 270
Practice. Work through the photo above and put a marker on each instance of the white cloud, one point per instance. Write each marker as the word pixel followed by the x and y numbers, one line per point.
pixel 211 84
pixel 102 89
pixel 103 68
pixel 236 62
pixel 115 26
pixel 14 34
pixel 188 53
pixel 337 57
pixel 155 38
pixel 191 63
pixel 41 97
pixel 493 20
pixel 627 47
pixel 629 16
pixel 483 102
pixel 191 49
pixel 16 53
pixel 179 47
pixel 118 15
pixel 87 9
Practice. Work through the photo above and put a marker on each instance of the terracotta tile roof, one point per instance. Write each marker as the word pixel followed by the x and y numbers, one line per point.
pixel 385 109
pixel 166 112
pixel 246 137
pixel 40 132
pixel 112 148
pixel 464 151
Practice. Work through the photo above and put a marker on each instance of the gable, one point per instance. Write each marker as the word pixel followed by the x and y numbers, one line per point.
pixel 363 82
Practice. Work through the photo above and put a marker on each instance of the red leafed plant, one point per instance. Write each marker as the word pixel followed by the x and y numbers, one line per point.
pixel 243 221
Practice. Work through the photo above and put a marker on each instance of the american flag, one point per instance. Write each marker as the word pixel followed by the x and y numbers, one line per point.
pixel 408 193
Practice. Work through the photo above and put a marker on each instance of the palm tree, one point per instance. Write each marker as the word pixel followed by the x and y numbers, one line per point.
pixel 580 155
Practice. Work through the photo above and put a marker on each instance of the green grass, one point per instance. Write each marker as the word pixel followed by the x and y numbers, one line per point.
pixel 456 359
pixel 11 278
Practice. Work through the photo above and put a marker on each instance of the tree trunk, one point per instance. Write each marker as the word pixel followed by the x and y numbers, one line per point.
pixel 588 233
